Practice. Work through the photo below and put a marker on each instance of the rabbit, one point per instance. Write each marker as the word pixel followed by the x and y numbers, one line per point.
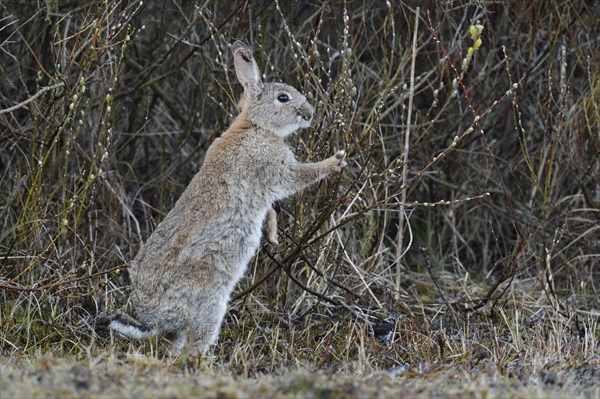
pixel 183 276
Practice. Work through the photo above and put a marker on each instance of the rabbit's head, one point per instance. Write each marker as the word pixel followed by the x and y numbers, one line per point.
pixel 276 107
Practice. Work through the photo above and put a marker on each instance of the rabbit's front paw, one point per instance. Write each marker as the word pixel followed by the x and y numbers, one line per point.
pixel 338 161
pixel 272 237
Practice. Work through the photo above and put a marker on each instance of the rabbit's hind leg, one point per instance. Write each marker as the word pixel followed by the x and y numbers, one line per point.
pixel 208 326
pixel 177 342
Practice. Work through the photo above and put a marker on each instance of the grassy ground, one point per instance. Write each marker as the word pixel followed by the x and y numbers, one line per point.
pixel 149 377
pixel 457 254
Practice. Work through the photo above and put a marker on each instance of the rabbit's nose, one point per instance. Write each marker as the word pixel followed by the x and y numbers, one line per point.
pixel 306 111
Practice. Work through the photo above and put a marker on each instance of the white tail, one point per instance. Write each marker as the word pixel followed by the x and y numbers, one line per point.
pixel 132 328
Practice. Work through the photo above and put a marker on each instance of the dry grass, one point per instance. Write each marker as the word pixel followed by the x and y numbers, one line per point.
pixel 107 109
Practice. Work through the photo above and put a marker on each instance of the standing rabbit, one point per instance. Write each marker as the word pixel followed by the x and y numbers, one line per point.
pixel 183 276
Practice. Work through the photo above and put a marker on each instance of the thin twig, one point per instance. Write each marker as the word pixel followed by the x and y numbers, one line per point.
pixel 399 251
pixel 55 284
pixel 437 286
pixel 210 34
pixel 477 123
pixel 32 98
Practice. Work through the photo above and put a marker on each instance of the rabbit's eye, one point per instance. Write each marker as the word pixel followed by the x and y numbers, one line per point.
pixel 283 98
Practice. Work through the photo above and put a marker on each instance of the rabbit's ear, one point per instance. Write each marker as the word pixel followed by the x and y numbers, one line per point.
pixel 246 70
